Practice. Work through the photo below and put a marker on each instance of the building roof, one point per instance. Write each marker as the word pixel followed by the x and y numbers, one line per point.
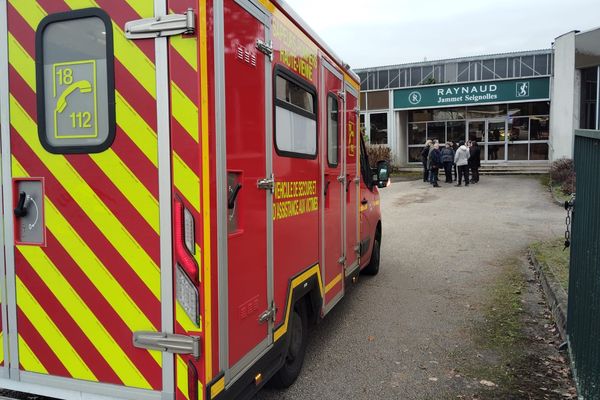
pixel 455 60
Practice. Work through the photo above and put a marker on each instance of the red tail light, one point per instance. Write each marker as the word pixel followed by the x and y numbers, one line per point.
pixel 192 381
pixel 182 254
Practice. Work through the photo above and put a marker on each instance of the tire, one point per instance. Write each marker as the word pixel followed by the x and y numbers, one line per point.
pixel 294 358
pixel 373 267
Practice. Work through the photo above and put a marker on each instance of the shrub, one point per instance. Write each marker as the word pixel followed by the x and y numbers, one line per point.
pixel 562 170
pixel 378 153
pixel 568 185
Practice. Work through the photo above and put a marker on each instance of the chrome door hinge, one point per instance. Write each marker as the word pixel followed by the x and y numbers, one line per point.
pixel 265 48
pixel 342 260
pixel 342 95
pixel 356 110
pixel 161 26
pixel 342 179
pixel 169 342
pixel 268 315
pixel 266 184
pixel 357 249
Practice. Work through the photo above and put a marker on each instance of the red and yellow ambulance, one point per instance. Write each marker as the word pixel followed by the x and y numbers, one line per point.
pixel 184 190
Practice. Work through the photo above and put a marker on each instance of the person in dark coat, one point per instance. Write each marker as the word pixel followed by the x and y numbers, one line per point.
pixel 435 164
pixel 474 161
pixel 448 160
pixel 424 155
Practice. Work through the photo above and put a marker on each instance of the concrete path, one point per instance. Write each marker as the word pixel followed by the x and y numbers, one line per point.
pixel 391 337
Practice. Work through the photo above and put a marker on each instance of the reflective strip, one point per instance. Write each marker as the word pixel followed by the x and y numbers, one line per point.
pixel 144 9
pixel 295 283
pixel 28 359
pixel 51 334
pixel 84 317
pixel 207 316
pixel 129 185
pixel 92 267
pixel 20 58
pixel 182 377
pixel 187 48
pixel 90 203
pixel 332 284
pixel 30 10
pixel 141 134
pixel 186 181
pixel 217 388
pixel 1 346
pixel 184 111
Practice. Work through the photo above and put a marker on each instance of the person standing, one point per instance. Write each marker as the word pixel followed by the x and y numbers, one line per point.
pixel 429 157
pixel 424 156
pixel 461 159
pixel 474 161
pixel 448 160
pixel 435 164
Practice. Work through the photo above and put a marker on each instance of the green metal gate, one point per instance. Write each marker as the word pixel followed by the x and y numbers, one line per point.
pixel 583 325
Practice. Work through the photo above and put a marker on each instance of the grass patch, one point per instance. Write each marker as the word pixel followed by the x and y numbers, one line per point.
pixel 555 188
pixel 407 175
pixel 552 257
pixel 499 337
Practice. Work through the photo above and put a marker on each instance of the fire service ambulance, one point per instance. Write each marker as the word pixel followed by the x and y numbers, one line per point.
pixel 184 191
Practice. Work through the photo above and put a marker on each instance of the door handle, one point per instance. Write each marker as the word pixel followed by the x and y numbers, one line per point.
pixel 21 210
pixel 233 196
pixel 364 202
pixel 326 187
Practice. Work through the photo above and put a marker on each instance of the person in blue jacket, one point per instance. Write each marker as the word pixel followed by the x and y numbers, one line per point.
pixel 436 164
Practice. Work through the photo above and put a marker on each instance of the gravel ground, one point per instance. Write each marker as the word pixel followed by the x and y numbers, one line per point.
pixel 393 335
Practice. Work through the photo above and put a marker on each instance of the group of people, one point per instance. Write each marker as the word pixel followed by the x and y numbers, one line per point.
pixel 458 158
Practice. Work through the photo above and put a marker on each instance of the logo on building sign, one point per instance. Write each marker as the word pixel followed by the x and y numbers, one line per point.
pixel 414 98
pixel 522 89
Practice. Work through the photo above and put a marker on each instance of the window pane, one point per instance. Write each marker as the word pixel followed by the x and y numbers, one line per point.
pixel 463 72
pixel 518 128
pixel 378 128
pixel 363 80
pixel 378 100
pixel 383 80
pixel 363 101
pixel 415 76
pixel 488 70
pixel 295 133
pixel 486 111
pixel 332 131
pixel 371 80
pixel 540 128
pixel 495 152
pixel 541 64
pixel 77 87
pixel 362 124
pixel 291 93
pixel 476 130
pixel 436 131
pixel 518 152
pixel 527 66
pixel 420 115
pixel 589 92
pixel 394 83
pixel 414 154
pixel 496 131
pixel 540 108
pixel 445 114
pixel 456 131
pixel 500 68
pixel 538 151
pixel 416 133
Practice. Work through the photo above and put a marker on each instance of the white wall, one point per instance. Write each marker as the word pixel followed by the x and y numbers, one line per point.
pixel 401 150
pixel 564 106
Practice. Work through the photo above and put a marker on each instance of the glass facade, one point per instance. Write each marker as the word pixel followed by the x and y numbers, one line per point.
pixel 506 132
pixel 589 98
pixel 519 65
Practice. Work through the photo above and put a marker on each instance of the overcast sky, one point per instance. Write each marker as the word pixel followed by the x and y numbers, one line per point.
pixel 383 32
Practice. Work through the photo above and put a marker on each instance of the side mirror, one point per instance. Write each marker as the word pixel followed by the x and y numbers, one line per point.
pixel 383 174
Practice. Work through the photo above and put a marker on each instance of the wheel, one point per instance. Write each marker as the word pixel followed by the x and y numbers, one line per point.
pixel 373 267
pixel 294 358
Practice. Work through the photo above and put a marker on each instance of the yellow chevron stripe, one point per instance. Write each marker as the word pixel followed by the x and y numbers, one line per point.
pixel 333 282
pixel 50 332
pixel 19 57
pixel 1 346
pixel 186 181
pixel 184 111
pixel 102 217
pixel 182 377
pixel 145 9
pixel 207 317
pixel 92 267
pixel 129 185
pixel 84 317
pixel 187 48
pixel 137 129
pixel 28 359
pixel 31 8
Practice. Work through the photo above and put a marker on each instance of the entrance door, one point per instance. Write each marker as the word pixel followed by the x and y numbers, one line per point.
pixel 247 221
pixel 351 150
pixel 81 186
pixel 496 140
pixel 332 182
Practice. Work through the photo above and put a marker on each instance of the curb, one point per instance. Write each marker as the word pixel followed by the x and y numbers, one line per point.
pixel 555 294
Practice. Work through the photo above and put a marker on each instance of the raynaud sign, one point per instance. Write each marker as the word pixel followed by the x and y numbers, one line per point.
pixel 504 91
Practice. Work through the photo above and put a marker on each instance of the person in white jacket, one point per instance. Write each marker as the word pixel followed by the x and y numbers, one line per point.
pixel 461 159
